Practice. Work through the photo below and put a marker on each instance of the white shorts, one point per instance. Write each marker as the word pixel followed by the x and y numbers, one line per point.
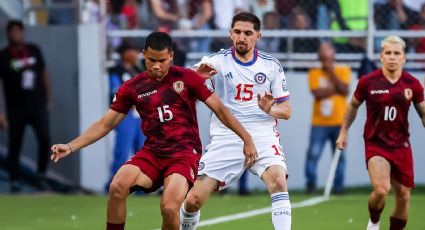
pixel 223 159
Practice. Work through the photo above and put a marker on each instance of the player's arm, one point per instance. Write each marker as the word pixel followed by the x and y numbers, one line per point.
pixel 223 114
pixel 349 117
pixel 95 132
pixel 206 70
pixel 281 110
pixel 420 108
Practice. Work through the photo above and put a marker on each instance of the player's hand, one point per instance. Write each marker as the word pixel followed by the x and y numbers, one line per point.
pixel 59 151
pixel 341 142
pixel 265 102
pixel 250 153
pixel 206 70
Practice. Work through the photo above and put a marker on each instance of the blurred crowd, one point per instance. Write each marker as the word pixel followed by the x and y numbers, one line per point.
pixel 166 15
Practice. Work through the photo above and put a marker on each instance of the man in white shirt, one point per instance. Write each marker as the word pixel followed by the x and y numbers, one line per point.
pixel 253 87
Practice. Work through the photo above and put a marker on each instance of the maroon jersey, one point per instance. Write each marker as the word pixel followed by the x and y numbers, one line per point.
pixel 387 106
pixel 167 109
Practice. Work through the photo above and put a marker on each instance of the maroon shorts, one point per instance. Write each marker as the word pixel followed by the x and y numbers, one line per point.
pixel 157 169
pixel 401 161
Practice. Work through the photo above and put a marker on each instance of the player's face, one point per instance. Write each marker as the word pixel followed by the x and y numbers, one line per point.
pixel 244 37
pixel 393 56
pixel 158 62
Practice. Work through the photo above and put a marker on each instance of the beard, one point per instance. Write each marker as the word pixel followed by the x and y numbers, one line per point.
pixel 241 49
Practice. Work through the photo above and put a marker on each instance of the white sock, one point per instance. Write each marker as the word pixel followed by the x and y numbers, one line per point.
pixel 281 211
pixel 188 221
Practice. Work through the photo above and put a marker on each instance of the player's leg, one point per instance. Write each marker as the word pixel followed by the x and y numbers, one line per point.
pixel 318 136
pixel 379 173
pixel 197 196
pixel 127 176
pixel 175 190
pixel 275 179
pixel 400 213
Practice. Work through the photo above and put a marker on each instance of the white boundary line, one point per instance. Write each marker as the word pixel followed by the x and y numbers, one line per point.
pixel 256 212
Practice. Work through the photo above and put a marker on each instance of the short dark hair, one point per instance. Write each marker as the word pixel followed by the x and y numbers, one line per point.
pixel 14 23
pixel 159 41
pixel 247 17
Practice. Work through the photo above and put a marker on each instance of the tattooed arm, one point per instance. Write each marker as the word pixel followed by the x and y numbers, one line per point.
pixel 349 117
pixel 420 108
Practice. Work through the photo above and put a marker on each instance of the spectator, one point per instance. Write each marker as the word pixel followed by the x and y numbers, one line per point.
pixel 329 86
pixel 270 44
pixel 28 100
pixel 155 14
pixel 419 43
pixel 128 137
pixel 324 7
pixel 261 7
pixel 300 21
pixel 115 21
pixel 284 8
pixel 129 10
pixel 200 13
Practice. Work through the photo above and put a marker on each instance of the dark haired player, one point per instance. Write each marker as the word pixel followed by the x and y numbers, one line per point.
pixel 164 96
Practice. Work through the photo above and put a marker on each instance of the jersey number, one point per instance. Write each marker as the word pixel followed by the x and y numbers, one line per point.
pixel 245 90
pixel 164 113
pixel 390 113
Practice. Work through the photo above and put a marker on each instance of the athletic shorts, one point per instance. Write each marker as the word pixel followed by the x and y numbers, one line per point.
pixel 401 161
pixel 157 169
pixel 223 159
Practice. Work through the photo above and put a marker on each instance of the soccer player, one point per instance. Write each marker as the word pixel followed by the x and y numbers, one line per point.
pixel 164 96
pixel 388 93
pixel 253 86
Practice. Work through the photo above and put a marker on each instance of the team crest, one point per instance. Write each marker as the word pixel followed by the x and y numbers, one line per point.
pixel 260 78
pixel 178 86
pixel 408 94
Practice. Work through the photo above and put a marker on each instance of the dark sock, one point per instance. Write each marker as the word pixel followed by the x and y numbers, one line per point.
pixel 111 226
pixel 397 224
pixel 375 214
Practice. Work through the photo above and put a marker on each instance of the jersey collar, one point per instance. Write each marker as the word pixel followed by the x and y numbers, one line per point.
pixel 244 63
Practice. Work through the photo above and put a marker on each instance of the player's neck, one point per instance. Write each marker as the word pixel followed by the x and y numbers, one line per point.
pixel 392 76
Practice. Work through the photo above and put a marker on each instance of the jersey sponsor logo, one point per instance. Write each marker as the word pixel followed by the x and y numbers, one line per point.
pixel 18 64
pixel 147 94
pixel 228 75
pixel 178 86
pixel 201 165
pixel 260 78
pixel 379 91
pixel 408 94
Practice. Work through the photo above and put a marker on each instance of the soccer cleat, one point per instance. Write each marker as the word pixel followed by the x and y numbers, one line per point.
pixel 373 226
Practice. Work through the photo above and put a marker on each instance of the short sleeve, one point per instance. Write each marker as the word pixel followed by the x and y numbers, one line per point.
pixel 122 101
pixel 361 90
pixel 40 58
pixel 418 93
pixel 279 85
pixel 199 87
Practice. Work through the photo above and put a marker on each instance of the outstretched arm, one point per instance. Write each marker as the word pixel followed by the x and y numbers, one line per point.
pixel 214 103
pixel 349 117
pixel 95 132
pixel 280 111
pixel 420 108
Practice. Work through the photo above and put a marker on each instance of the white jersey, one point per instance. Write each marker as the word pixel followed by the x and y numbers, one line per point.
pixel 238 83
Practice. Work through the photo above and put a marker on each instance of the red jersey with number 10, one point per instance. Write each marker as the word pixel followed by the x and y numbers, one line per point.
pixel 167 109
pixel 387 106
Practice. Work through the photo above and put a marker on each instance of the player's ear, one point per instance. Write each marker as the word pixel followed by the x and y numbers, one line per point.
pixel 171 55
pixel 259 35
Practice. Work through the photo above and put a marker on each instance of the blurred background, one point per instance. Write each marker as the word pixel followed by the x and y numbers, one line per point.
pixel 79 40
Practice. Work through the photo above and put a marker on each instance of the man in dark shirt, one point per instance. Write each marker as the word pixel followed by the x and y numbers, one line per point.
pixel 388 94
pixel 164 96
pixel 27 94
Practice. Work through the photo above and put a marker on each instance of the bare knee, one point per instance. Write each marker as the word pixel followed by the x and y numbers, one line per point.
pixel 277 184
pixel 117 191
pixel 169 210
pixel 193 202
pixel 381 191
pixel 403 197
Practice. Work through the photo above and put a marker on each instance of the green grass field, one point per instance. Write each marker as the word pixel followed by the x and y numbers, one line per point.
pixel 88 212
